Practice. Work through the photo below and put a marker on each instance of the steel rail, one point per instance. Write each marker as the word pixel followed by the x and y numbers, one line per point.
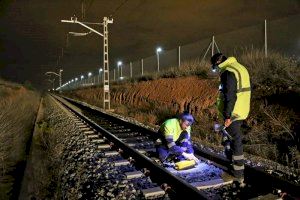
pixel 180 188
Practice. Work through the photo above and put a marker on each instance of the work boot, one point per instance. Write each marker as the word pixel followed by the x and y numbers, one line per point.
pixel 239 182
pixel 227 177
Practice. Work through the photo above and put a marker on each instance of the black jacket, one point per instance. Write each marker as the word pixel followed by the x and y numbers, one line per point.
pixel 229 90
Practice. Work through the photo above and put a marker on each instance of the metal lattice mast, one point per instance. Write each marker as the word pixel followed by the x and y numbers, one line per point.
pixel 106 93
pixel 60 71
pixel 106 21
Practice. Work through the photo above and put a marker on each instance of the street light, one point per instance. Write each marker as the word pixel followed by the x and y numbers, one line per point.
pixel 100 71
pixel 89 75
pixel 59 74
pixel 120 66
pixel 158 50
pixel 81 77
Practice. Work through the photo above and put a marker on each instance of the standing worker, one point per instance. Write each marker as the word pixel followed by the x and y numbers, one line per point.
pixel 174 139
pixel 233 105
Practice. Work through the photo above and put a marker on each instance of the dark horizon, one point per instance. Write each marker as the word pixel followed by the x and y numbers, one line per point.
pixel 32 36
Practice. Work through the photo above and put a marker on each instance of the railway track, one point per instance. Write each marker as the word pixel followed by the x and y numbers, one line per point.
pixel 130 151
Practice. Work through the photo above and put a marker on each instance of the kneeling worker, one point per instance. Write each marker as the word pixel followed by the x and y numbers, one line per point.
pixel 174 139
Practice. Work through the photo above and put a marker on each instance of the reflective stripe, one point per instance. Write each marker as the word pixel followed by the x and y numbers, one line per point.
pixel 169 136
pixel 234 117
pixel 247 89
pixel 171 144
pixel 158 142
pixel 185 140
pixel 241 157
pixel 237 167
pixel 240 77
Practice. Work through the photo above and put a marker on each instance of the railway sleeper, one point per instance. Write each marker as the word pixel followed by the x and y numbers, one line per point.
pixel 111 153
pixel 98 141
pixel 85 129
pixel 153 193
pixel 104 146
pixel 137 139
pixel 138 144
pixel 112 130
pixel 144 151
pixel 81 126
pixel 89 132
pixel 211 184
pixel 94 136
pixel 121 162
pixel 134 174
pixel 127 135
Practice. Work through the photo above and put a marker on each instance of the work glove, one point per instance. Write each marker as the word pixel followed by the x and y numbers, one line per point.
pixel 183 148
pixel 190 156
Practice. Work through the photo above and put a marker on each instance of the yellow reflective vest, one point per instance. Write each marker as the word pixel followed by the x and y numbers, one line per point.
pixel 171 129
pixel 242 105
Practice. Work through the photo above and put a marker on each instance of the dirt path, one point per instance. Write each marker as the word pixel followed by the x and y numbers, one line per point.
pixel 23 191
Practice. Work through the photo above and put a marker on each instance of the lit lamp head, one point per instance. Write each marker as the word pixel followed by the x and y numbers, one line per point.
pixel 158 49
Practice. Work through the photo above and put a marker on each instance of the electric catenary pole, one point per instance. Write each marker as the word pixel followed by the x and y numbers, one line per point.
pixel 106 21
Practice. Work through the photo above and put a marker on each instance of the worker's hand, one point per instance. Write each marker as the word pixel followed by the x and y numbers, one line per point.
pixel 195 158
pixel 183 149
pixel 227 122
pixel 190 156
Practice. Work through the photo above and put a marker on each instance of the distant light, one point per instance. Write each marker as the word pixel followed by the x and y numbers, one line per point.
pixel 120 63
pixel 76 79
pixel 90 74
pixel 100 70
pixel 72 80
pixel 81 76
pixel 122 77
pixel 158 49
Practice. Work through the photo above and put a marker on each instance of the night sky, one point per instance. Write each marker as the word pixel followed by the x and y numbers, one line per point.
pixel 32 36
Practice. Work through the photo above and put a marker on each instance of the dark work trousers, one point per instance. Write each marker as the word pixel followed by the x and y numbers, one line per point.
pixel 235 154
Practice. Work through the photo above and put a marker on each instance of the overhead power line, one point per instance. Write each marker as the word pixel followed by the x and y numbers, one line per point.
pixel 117 8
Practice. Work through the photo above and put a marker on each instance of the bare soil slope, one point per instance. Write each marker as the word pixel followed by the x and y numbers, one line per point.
pixel 272 123
pixel 159 97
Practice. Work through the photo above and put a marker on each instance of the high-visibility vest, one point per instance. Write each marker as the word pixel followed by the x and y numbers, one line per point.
pixel 171 129
pixel 242 105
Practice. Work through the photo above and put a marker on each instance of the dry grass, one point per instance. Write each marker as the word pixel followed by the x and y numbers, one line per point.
pixel 50 141
pixel 276 70
pixel 18 110
pixel 45 156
